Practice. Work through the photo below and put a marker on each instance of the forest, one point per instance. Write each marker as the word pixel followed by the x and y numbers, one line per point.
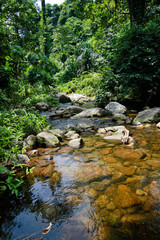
pixel 107 49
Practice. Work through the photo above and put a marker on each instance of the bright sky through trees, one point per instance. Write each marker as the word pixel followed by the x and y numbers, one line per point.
pixel 51 2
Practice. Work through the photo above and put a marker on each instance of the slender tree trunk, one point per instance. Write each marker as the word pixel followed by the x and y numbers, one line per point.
pixel 44 27
pixel 137 11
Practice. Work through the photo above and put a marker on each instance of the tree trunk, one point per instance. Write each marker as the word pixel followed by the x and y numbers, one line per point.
pixel 44 27
pixel 137 11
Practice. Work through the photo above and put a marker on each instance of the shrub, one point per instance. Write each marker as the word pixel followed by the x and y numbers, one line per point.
pixel 33 99
pixel 14 126
pixel 87 84
pixel 23 122
pixel 107 88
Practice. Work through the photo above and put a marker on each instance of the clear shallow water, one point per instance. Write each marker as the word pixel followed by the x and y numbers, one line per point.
pixel 105 191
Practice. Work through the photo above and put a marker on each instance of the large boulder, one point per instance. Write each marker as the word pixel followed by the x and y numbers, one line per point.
pixel 119 133
pixel 115 108
pixel 75 97
pixel 148 116
pixel 92 112
pixel 63 98
pixel 72 135
pixel 56 132
pixel 42 106
pixel 47 139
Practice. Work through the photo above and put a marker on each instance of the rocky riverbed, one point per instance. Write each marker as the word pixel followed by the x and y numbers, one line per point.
pixel 88 180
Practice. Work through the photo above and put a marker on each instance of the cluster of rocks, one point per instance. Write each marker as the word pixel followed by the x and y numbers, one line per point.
pixel 119 133
pixel 48 139
pixel 53 137
pixel 113 109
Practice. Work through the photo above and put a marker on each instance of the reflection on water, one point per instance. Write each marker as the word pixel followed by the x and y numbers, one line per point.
pixel 103 191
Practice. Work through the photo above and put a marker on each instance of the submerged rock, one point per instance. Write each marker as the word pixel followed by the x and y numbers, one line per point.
pixel 154 163
pixel 148 116
pixel 129 155
pixel 90 172
pixel 118 177
pixel 48 171
pixel 56 177
pixel 114 218
pixel 102 201
pixel 125 198
pixel 128 171
pixel 154 190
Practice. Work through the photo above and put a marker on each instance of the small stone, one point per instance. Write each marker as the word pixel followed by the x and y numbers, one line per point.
pixel 102 201
pixel 118 177
pixel 22 159
pixel 42 106
pixel 48 171
pixel 74 136
pixel 128 171
pixel 114 218
pixel 56 177
pixel 33 153
pixel 135 218
pixel 154 163
pixel 92 193
pixel 101 131
pixel 154 190
pixel 158 125
pixel 141 192
pixel 37 171
pixel 69 134
pixel 99 186
pixel 110 206
pixel 76 143
pixel 30 142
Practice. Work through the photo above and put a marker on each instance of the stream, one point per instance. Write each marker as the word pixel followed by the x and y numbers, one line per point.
pixel 102 191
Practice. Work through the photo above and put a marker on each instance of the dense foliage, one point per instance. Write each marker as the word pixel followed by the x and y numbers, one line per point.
pixel 15 125
pixel 103 48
